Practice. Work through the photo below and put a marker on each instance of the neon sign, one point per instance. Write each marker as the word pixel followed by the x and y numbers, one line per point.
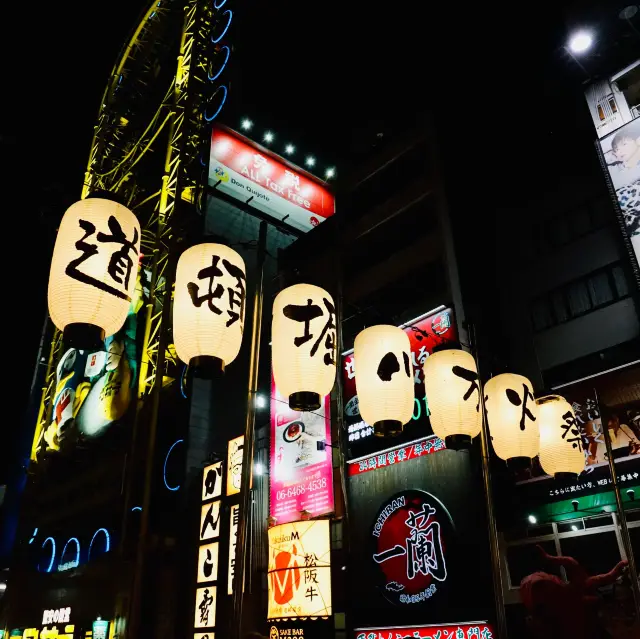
pixel 411 537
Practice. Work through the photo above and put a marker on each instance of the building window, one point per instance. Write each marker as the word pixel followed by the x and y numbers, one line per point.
pixel 573 224
pixel 589 293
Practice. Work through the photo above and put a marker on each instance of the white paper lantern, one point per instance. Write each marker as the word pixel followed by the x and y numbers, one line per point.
pixel 303 342
pixel 209 306
pixel 384 378
pixel 560 440
pixel 512 414
pixel 93 270
pixel 453 396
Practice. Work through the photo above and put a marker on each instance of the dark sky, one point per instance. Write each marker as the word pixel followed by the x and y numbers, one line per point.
pixel 505 95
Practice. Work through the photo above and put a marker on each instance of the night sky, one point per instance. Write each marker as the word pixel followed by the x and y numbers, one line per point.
pixel 328 78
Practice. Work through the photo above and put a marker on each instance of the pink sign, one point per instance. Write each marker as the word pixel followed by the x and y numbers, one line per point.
pixel 301 474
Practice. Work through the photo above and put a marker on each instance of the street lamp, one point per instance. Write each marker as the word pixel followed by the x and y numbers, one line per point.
pixel 580 42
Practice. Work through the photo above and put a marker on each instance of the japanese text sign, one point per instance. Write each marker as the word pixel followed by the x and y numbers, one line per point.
pixel 411 538
pixel 423 447
pixel 474 630
pixel 301 475
pixel 300 570
pixel 275 187
pixel 425 334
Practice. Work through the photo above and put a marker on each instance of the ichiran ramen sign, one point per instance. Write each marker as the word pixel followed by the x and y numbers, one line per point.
pixel 411 537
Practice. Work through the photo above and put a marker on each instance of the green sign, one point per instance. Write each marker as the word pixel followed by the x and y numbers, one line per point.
pixel 100 629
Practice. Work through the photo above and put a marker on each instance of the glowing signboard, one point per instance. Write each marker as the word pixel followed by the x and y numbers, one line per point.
pixel 275 187
pixel 212 482
pixel 412 538
pixel 210 521
pixel 208 562
pixel 299 570
pixel 234 518
pixel 301 474
pixel 234 465
pixel 466 630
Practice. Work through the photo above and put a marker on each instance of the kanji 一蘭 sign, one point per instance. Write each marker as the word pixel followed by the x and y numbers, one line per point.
pixel 411 538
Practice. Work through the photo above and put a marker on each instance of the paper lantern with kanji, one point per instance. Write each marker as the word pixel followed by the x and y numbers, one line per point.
pixel 384 378
pixel 453 396
pixel 209 307
pixel 560 441
pixel 303 342
pixel 93 271
pixel 512 414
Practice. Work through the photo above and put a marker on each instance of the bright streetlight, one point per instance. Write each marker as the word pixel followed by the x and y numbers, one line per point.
pixel 330 172
pixel 580 42
pixel 246 124
pixel 268 137
pixel 289 149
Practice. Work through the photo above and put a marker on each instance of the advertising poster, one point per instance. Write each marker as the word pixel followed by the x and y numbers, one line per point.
pixel 300 570
pixel 301 473
pixel 425 333
pixel 621 152
pixel 473 630
pixel 246 172
pixel 94 389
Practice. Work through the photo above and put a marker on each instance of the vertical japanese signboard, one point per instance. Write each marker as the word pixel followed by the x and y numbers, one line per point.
pixel 207 569
pixel 234 520
pixel 299 570
pixel 301 474
pixel 425 333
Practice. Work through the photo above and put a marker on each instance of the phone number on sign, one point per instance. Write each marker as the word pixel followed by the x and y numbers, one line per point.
pixel 301 489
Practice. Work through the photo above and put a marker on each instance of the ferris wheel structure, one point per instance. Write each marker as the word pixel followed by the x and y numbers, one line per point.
pixel 150 150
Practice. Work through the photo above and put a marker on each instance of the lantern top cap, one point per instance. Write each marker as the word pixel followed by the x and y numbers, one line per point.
pixel 106 195
pixel 547 399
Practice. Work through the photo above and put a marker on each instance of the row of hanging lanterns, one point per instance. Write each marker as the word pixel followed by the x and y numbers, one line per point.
pixel 93 276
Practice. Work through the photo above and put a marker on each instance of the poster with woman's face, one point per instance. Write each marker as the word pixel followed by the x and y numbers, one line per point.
pixel 621 151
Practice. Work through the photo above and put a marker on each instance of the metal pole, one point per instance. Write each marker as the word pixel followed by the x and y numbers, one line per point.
pixel 496 567
pixel 624 530
pixel 249 435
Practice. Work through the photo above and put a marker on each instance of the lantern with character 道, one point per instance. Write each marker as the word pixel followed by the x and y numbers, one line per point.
pixel 93 271
pixel 560 439
pixel 453 395
pixel 303 335
pixel 384 378
pixel 209 307
pixel 512 414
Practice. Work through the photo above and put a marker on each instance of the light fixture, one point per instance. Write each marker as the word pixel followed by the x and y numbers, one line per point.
pixel 261 401
pixel 310 161
pixel 384 378
pixel 329 173
pixel 289 149
pixel 512 414
pixel 246 124
pixel 580 42
pixel 303 343
pixel 453 396
pixel 574 527
pixel 560 441
pixel 532 519
pixel 209 307
pixel 94 269
pixel 268 137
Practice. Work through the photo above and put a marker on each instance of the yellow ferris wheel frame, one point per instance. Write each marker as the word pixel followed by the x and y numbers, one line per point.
pixel 114 165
